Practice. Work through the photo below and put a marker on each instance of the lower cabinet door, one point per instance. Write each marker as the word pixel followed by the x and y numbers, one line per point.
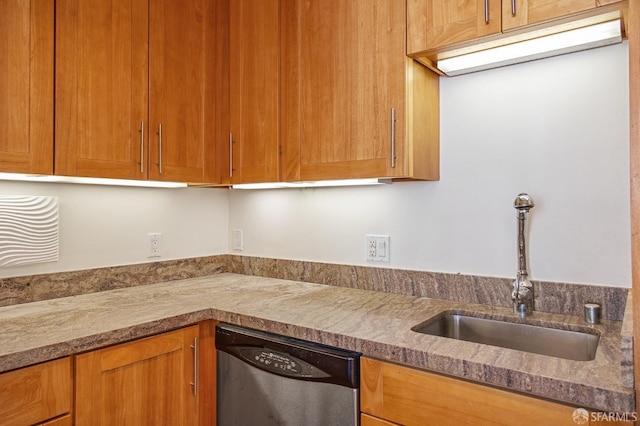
pixel 151 381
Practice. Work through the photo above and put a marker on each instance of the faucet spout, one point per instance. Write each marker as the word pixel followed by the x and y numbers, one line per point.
pixel 522 294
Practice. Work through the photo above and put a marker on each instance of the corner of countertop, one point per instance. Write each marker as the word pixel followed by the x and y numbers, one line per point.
pixel 627 370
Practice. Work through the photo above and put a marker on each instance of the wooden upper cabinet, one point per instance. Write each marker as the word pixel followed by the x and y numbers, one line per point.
pixel 449 22
pixel 123 70
pixel 254 90
pixel 526 12
pixel 144 382
pixel 345 77
pixel 26 86
pixel 182 100
pixel 437 24
pixel 101 88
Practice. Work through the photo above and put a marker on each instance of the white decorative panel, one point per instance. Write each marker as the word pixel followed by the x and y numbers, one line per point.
pixel 28 229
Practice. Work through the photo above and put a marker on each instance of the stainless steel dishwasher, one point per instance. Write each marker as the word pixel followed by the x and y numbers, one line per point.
pixel 267 379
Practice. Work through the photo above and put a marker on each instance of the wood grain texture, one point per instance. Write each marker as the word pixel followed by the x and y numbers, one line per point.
pixel 207 373
pixel 181 54
pixel 450 21
pixel 34 394
pixel 529 12
pixel 633 33
pixel 413 397
pixel 124 65
pixel 336 114
pixel 254 100
pixel 367 420
pixel 144 382
pixel 101 88
pixel 26 86
pixel 66 420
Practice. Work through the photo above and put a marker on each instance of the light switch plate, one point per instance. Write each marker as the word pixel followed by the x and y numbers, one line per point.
pixel 237 241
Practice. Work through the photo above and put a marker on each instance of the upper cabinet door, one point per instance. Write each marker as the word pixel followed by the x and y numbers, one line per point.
pixel 344 71
pixel 101 88
pixel 182 90
pixel 454 21
pixel 254 48
pixel 518 13
pixel 26 86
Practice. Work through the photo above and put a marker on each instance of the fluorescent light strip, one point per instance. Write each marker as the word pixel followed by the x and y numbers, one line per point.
pixel 90 181
pixel 313 184
pixel 597 35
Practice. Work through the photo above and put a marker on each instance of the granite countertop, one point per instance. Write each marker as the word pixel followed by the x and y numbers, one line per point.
pixel 375 323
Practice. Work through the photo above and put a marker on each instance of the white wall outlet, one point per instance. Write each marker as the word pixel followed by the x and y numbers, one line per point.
pixel 377 247
pixel 237 239
pixel 154 244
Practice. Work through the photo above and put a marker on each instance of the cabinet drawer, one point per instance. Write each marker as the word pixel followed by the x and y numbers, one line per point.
pixel 414 397
pixel 37 393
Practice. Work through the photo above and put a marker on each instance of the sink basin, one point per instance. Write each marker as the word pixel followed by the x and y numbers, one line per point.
pixel 567 344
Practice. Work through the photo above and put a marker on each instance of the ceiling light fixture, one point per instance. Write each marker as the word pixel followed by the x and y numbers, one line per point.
pixel 598 35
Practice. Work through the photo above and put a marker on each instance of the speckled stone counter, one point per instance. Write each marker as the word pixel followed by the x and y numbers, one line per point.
pixel 377 324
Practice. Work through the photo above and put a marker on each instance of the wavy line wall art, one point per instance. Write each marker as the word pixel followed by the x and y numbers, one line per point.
pixel 28 229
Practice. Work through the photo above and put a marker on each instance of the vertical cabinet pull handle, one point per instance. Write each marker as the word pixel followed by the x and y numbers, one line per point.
pixel 486 11
pixel 194 383
pixel 142 147
pixel 513 8
pixel 230 154
pixel 393 137
pixel 160 148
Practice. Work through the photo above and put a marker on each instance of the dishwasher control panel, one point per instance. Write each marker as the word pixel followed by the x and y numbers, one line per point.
pixel 289 357
pixel 277 362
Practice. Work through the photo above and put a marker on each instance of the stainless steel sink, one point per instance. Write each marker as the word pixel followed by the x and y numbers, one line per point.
pixel 567 344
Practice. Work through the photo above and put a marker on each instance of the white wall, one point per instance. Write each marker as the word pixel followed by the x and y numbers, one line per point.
pixel 557 129
pixel 106 226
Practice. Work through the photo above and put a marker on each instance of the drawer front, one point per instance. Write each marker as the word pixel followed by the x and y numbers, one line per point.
pixel 414 397
pixel 35 394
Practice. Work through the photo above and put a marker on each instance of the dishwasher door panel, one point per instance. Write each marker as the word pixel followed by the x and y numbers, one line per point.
pixel 250 396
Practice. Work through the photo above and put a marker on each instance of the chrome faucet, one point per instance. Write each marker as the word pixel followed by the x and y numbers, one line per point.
pixel 522 294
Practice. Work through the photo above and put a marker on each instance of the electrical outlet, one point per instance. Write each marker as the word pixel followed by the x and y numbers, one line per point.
pixel 377 248
pixel 237 242
pixel 154 244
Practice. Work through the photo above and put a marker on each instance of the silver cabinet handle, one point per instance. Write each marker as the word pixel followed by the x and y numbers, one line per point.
pixel 160 148
pixel 393 137
pixel 513 7
pixel 194 383
pixel 486 11
pixel 142 147
pixel 230 154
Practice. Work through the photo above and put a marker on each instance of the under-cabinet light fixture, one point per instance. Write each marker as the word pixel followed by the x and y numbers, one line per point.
pixel 311 184
pixel 598 35
pixel 90 181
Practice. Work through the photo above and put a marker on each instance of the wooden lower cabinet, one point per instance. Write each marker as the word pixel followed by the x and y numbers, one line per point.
pixel 409 396
pixel 367 420
pixel 66 420
pixel 166 379
pixel 35 394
